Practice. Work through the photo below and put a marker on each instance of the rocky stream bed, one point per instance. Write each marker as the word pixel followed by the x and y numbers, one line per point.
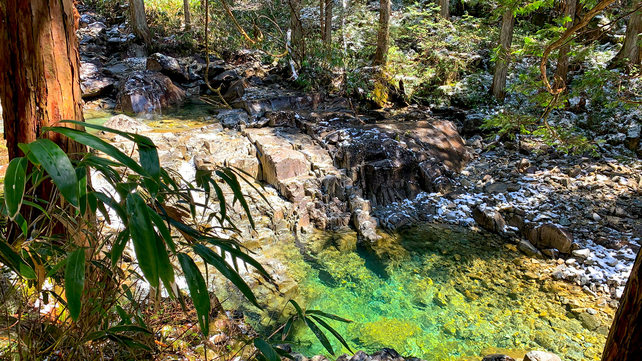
pixel 436 246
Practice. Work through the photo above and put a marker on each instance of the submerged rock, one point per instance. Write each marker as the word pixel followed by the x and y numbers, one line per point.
pixel 126 124
pixel 541 356
pixel 498 357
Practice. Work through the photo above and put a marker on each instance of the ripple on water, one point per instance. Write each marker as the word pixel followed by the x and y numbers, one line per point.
pixel 439 294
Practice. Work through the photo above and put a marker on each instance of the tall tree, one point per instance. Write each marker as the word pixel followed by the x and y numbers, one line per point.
pixel 322 18
pixel 298 43
pixel 569 8
pixel 138 20
pixel 501 65
pixel 188 15
pixel 444 9
pixel 631 52
pixel 327 37
pixel 39 70
pixel 381 55
pixel 625 337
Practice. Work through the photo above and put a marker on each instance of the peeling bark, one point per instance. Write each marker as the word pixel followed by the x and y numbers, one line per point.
pixel 39 71
pixel 625 337
pixel 631 52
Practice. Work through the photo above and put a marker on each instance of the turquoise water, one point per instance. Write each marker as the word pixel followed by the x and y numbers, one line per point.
pixel 440 294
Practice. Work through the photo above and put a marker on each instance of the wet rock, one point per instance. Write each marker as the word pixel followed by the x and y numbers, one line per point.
pixel 541 356
pixel 590 322
pixel 499 187
pixel 360 356
pixel 148 92
pixel 489 220
pixel 236 90
pixel 168 66
pixel 233 118
pixel 126 124
pixel 92 82
pixel 528 249
pixel 498 357
pixel 257 107
pixel 549 236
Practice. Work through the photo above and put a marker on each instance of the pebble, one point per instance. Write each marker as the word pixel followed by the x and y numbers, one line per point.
pixel 582 253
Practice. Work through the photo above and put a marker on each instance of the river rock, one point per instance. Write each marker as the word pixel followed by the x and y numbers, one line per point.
pixel 549 236
pixel 489 220
pixel 541 356
pixel 126 124
pixel 168 66
pixel 148 92
pixel 590 322
pixel 497 357
pixel 92 82
pixel 360 356
pixel 528 249
pixel 227 149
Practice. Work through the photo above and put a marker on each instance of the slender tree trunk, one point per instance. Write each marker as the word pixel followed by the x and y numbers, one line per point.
pixel 327 38
pixel 501 65
pixel 188 15
pixel 39 71
pixel 138 20
pixel 381 55
pixel 298 43
pixel 561 73
pixel 631 54
pixel 322 18
pixel 625 337
pixel 444 11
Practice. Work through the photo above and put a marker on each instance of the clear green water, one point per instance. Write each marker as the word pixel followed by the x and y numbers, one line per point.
pixel 188 116
pixel 439 294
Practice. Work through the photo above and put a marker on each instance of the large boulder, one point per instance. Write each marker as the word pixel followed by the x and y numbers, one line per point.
pixel 92 82
pixel 541 356
pixel 227 149
pixel 548 236
pixel 126 124
pixel 168 66
pixel 489 220
pixel 148 92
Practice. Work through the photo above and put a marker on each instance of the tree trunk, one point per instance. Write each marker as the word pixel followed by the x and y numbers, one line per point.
pixel 322 18
pixel 381 55
pixel 561 73
pixel 39 71
pixel 327 38
pixel 625 337
pixel 188 15
pixel 630 54
pixel 444 9
pixel 501 65
pixel 298 43
pixel 139 20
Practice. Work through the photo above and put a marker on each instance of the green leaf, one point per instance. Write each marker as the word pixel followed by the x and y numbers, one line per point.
pixel 266 349
pixel 22 223
pixel 59 168
pixel 111 203
pixel 222 266
pixel 165 268
pixel 129 328
pixel 143 237
pixel 75 281
pixel 198 291
pixel 93 141
pixel 55 268
pixel 319 334
pixel 230 179
pixel 149 160
pixel 332 331
pixel 14 185
pixel 36 206
pixel 163 230
pixel 286 328
pixel 119 246
pixel 96 335
pixel 299 311
pixel 16 262
pixel 327 315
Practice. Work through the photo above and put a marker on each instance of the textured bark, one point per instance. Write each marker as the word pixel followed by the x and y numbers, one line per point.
pixel 561 73
pixel 501 65
pixel 625 337
pixel 39 71
pixel 138 20
pixel 327 37
pixel 444 9
pixel 188 15
pixel 298 43
pixel 631 52
pixel 381 55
